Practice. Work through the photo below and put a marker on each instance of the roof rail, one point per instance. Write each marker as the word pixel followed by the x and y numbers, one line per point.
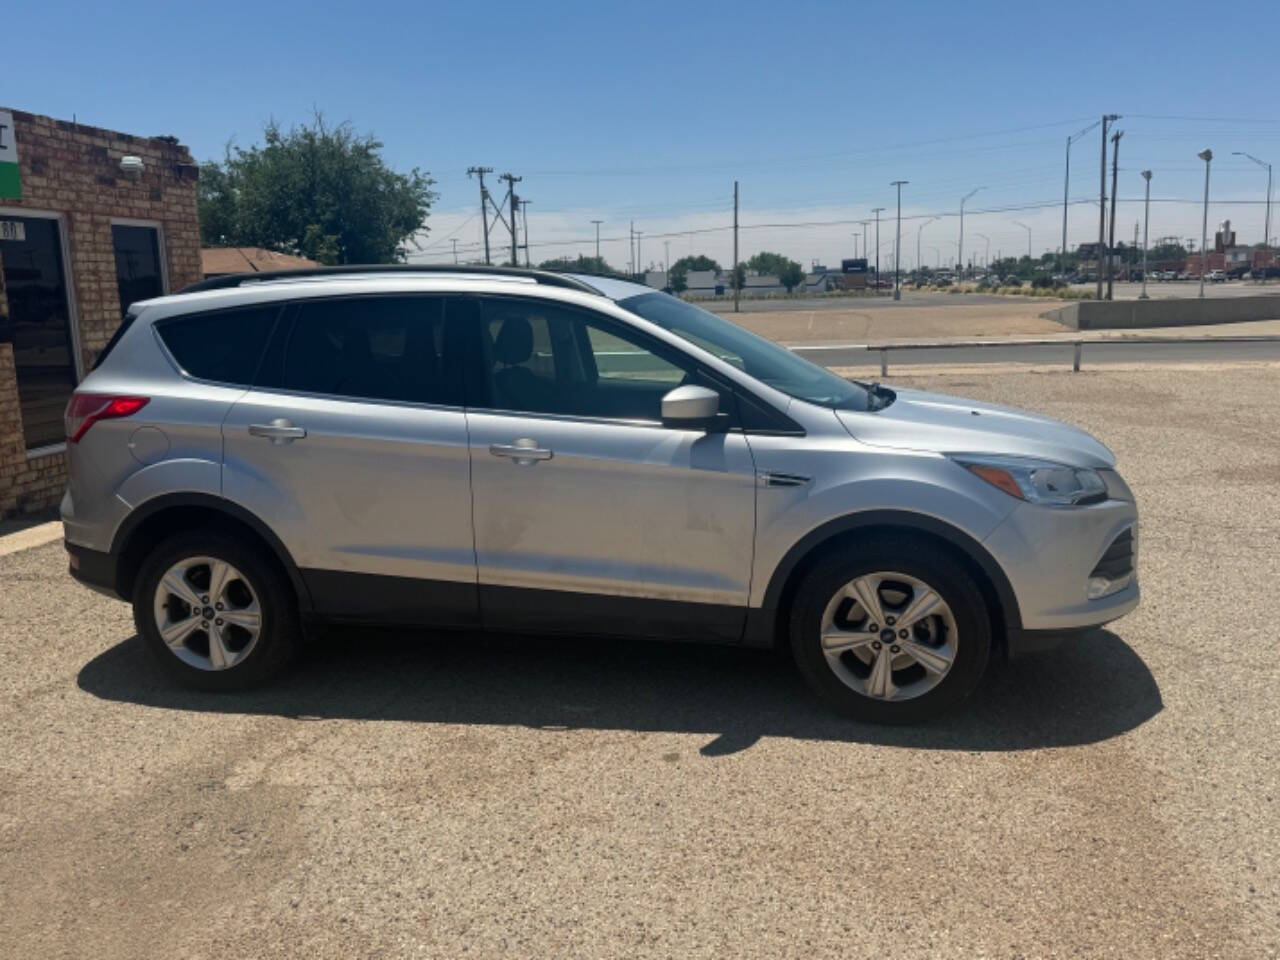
pixel 237 279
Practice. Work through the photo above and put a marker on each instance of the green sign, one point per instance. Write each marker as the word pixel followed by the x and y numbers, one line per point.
pixel 10 184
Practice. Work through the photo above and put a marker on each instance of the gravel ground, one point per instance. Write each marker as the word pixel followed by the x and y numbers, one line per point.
pixel 496 797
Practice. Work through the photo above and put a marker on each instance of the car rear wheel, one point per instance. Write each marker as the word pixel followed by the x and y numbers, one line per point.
pixel 215 613
pixel 891 631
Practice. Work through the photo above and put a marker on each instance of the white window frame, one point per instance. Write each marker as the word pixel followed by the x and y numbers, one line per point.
pixel 73 310
pixel 161 247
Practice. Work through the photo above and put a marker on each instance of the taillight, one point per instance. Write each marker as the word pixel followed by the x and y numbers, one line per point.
pixel 86 409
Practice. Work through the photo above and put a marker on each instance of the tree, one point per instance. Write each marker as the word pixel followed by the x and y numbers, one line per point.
pixel 597 266
pixel 316 191
pixel 678 275
pixel 789 273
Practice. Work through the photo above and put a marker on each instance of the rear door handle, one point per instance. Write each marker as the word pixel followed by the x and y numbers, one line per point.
pixel 525 452
pixel 277 431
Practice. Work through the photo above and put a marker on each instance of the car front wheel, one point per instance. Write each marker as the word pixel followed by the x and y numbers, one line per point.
pixel 891 631
pixel 215 613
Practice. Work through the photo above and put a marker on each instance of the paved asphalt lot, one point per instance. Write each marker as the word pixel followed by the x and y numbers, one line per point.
pixel 503 797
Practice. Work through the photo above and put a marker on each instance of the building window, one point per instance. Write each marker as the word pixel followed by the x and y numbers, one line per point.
pixel 138 274
pixel 39 327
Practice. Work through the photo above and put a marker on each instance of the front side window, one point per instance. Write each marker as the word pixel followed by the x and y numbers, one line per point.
pixel 392 348
pixel 545 358
pixel 762 359
pixel 224 346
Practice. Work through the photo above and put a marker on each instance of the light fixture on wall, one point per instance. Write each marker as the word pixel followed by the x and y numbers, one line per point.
pixel 131 168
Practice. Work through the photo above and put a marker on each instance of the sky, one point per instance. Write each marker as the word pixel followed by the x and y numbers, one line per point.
pixel 646 114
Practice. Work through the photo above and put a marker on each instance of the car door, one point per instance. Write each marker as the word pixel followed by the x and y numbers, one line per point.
pixel 590 515
pixel 352 447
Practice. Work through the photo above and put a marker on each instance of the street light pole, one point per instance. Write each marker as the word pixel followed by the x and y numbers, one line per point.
pixel 1066 186
pixel 1205 155
pixel 1028 229
pixel 597 223
pixel 1266 232
pixel 960 248
pixel 877 212
pixel 897 244
pixel 1146 224
pixel 920 230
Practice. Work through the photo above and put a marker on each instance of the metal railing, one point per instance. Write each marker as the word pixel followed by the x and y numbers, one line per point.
pixel 1077 344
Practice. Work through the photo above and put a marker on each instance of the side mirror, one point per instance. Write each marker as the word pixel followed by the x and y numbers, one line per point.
pixel 690 408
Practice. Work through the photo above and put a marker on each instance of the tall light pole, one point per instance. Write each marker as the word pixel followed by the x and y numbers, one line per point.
pixel 597 223
pixel 455 249
pixel 877 211
pixel 920 230
pixel 1146 223
pixel 1028 229
pixel 1205 155
pixel 897 243
pixel 986 257
pixel 1266 232
pixel 960 249
pixel 1102 203
pixel 864 237
pixel 1066 186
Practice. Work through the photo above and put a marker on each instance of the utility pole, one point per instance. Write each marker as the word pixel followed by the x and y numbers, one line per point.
pixel 1266 230
pixel 1111 244
pixel 640 271
pixel 897 244
pixel 524 225
pixel 1205 155
pixel 986 257
pixel 512 180
pixel 631 249
pixel 484 206
pixel 877 211
pixel 864 237
pixel 735 246
pixel 1102 198
pixel 666 256
pixel 597 223
pixel 455 249
pixel 960 248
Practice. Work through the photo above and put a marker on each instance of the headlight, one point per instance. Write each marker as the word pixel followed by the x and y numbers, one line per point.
pixel 1037 481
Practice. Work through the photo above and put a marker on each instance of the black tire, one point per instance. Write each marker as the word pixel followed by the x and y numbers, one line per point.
pixel 280 632
pixel 913 557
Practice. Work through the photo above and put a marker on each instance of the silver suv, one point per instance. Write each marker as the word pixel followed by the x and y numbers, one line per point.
pixel 515 450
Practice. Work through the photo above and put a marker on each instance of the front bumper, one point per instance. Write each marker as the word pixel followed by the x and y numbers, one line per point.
pixel 1049 555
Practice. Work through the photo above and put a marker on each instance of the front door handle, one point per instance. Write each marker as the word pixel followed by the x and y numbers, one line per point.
pixel 525 452
pixel 277 431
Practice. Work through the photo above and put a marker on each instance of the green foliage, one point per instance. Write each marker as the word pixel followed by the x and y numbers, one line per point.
pixel 315 191
pixel 678 275
pixel 789 273
pixel 596 266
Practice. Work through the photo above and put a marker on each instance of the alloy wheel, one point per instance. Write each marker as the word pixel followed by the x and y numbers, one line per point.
pixel 207 613
pixel 889 636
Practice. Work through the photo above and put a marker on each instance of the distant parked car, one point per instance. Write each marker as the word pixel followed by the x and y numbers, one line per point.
pixel 1216 276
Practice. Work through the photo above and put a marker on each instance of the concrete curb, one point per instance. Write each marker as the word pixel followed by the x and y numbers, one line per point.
pixel 29 537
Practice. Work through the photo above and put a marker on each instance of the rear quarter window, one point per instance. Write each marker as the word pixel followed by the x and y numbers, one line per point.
pixel 224 345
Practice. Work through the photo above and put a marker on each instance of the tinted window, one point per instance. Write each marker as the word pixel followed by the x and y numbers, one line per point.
pixel 138 274
pixel 372 348
pixel 38 326
pixel 224 346
pixel 543 358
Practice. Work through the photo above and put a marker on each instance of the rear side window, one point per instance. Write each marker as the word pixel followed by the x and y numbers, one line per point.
pixel 224 346
pixel 370 348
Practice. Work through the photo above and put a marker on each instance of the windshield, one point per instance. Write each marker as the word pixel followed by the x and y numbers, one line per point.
pixel 761 358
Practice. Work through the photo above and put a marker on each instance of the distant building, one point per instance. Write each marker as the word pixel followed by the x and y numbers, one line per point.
pixel 220 261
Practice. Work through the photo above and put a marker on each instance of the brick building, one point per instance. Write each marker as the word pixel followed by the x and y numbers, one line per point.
pixel 90 221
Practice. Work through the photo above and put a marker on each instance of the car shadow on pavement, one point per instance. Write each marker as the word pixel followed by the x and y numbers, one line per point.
pixel 1086 691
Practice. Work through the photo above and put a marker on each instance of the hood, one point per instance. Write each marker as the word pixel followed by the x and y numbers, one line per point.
pixel 918 420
